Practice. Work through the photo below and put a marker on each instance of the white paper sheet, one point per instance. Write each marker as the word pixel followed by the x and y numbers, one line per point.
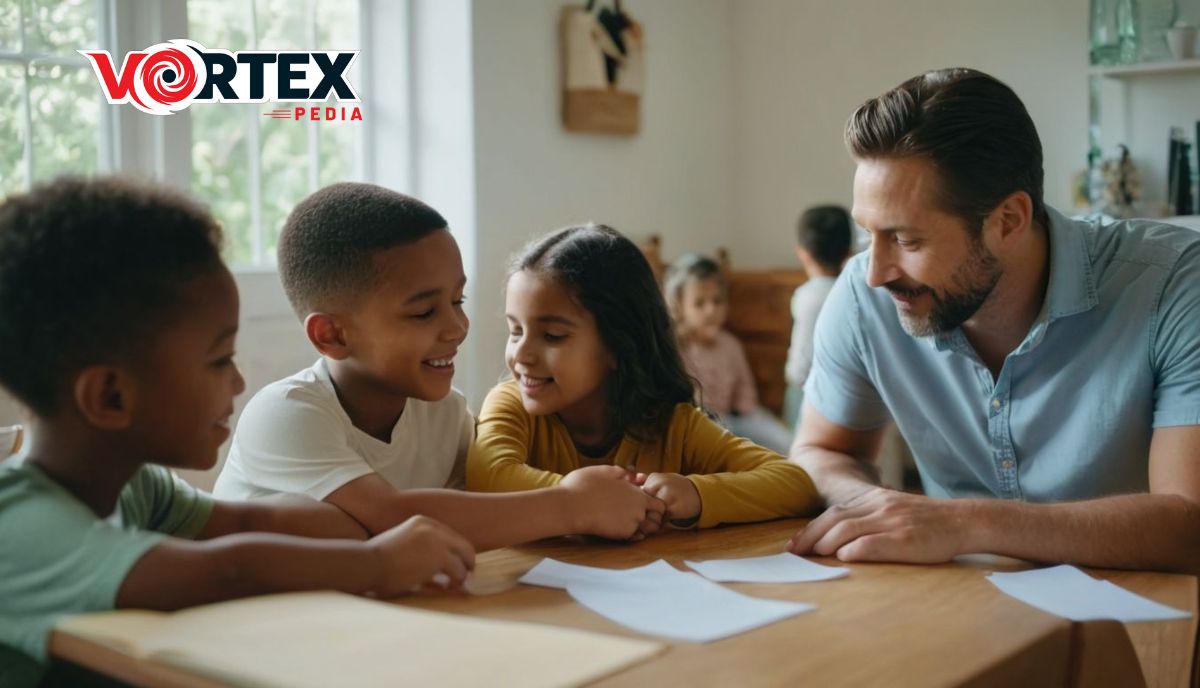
pixel 682 606
pixel 775 568
pixel 550 573
pixel 1070 593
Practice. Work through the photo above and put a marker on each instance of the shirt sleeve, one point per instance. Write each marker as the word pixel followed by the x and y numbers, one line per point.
pixel 466 437
pixel 499 459
pixel 291 442
pixel 1176 346
pixel 805 308
pixel 738 481
pixel 57 558
pixel 745 395
pixel 838 385
pixel 156 499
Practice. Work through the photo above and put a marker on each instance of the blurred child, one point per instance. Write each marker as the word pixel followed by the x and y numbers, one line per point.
pixel 823 240
pixel 698 298
pixel 374 427
pixel 598 380
pixel 117 326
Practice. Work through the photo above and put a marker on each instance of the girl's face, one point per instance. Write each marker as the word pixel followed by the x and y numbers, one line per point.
pixel 554 351
pixel 702 308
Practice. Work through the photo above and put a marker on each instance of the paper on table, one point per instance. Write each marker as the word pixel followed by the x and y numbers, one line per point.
pixel 775 568
pixel 1070 593
pixel 682 606
pixel 550 573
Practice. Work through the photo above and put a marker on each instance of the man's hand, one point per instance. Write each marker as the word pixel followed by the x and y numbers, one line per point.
pixel 677 493
pixel 415 552
pixel 886 525
pixel 606 502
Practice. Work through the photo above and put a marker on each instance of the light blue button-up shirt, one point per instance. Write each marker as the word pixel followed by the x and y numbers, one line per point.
pixel 1114 354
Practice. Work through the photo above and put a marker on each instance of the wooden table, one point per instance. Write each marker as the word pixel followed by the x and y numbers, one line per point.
pixel 886 624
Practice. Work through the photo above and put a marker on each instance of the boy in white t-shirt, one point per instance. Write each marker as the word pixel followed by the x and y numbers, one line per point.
pixel 823 241
pixel 374 427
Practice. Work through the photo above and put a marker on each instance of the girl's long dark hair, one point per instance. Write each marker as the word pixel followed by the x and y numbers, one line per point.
pixel 605 273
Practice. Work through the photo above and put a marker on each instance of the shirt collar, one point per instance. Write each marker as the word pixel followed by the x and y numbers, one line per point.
pixel 1071 288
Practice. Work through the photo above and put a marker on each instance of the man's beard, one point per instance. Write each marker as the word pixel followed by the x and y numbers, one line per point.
pixel 968 288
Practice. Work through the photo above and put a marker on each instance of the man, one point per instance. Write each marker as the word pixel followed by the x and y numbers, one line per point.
pixel 1045 372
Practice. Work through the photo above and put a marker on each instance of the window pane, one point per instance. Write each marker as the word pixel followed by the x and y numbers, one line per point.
pixel 66 119
pixel 220 24
pixel 60 27
pixel 341 151
pixel 282 25
pixel 221 171
pixel 12 128
pixel 10 25
pixel 284 174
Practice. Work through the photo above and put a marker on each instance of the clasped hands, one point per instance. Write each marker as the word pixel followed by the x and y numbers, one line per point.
pixel 622 504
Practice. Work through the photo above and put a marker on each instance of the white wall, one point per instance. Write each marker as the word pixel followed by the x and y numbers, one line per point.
pixel 802 67
pixel 673 178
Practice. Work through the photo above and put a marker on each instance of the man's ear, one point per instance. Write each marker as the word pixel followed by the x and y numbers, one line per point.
pixel 105 396
pixel 327 334
pixel 1013 216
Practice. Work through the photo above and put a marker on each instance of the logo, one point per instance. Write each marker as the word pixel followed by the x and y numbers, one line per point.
pixel 168 77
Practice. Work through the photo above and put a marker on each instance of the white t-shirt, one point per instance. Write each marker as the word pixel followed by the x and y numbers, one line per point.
pixel 294 437
pixel 806 306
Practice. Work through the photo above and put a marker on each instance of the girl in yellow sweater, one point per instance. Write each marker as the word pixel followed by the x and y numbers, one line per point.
pixel 597 379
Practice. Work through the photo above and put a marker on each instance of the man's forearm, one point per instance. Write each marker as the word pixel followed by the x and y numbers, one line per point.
pixel 838 477
pixel 1143 531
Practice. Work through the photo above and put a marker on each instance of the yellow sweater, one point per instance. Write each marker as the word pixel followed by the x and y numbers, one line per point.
pixel 738 481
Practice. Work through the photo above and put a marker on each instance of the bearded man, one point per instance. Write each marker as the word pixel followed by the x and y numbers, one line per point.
pixel 1044 371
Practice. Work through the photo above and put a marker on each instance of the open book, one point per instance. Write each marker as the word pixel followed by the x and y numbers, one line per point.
pixel 328 639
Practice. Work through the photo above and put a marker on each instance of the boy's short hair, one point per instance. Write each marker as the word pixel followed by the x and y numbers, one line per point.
pixel 327 245
pixel 824 231
pixel 90 270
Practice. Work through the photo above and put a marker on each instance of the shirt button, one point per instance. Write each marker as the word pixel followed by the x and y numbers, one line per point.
pixel 995 403
pixel 1007 465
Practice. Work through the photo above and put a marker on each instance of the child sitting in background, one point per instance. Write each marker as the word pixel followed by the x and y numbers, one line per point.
pixel 823 240
pixel 698 298
pixel 374 426
pixel 598 380
pixel 117 326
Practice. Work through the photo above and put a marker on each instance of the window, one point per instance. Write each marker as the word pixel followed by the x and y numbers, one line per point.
pixel 51 114
pixel 253 169
pixel 249 168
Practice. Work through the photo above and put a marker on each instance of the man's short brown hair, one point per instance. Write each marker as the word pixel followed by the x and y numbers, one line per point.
pixel 972 127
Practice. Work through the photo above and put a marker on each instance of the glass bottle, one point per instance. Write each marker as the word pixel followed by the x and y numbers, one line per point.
pixel 1128 30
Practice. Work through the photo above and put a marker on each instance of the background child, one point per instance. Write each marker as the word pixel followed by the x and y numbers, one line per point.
pixel 598 380
pixel 117 325
pixel 698 298
pixel 823 240
pixel 374 424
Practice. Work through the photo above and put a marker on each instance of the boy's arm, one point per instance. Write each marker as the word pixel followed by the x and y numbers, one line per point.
pixel 599 500
pixel 287 514
pixel 178 573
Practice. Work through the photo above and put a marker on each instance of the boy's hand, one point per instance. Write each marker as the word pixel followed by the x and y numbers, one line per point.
pixel 677 492
pixel 417 551
pixel 605 502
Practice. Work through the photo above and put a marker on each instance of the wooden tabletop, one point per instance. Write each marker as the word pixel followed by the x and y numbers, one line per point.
pixel 885 624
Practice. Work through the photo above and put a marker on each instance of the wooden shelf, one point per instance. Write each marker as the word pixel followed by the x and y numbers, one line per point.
pixel 1147 68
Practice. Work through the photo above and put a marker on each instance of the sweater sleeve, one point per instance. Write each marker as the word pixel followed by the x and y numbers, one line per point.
pixel 498 460
pixel 739 481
